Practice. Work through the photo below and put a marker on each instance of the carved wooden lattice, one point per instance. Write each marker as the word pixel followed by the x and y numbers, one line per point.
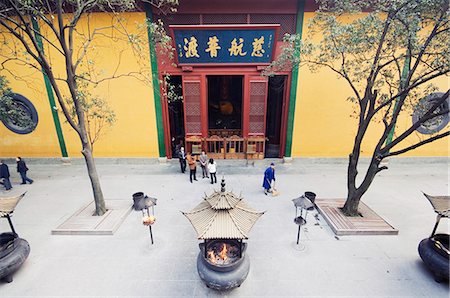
pixel 257 107
pixel 192 108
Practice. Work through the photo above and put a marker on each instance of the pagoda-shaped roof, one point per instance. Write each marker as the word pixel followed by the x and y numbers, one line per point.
pixel 441 204
pixel 8 204
pixel 223 215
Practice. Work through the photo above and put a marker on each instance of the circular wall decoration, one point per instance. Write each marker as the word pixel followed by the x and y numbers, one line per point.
pixel 437 123
pixel 26 112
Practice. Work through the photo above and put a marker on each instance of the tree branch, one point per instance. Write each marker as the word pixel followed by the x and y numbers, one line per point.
pixel 40 58
pixel 382 168
pixel 339 73
pixel 374 70
pixel 423 48
pixel 416 84
pixel 24 62
pixel 432 139
pixel 35 32
pixel 427 116
pixel 21 39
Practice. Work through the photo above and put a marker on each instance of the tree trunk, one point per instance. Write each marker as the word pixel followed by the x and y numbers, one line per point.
pixel 352 173
pixel 100 208
pixel 355 194
pixel 351 204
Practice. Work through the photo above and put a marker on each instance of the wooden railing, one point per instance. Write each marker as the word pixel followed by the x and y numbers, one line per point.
pixel 233 147
pixel 224 133
pixel 255 147
pixel 215 147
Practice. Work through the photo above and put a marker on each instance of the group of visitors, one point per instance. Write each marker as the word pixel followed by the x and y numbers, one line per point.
pixel 209 169
pixel 21 169
pixel 209 166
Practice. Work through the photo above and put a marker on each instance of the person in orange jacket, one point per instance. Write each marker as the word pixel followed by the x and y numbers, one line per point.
pixel 192 167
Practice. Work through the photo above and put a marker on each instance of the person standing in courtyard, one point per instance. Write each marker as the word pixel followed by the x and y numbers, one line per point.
pixel 182 158
pixel 22 169
pixel 192 167
pixel 204 164
pixel 269 178
pixel 212 169
pixel 4 173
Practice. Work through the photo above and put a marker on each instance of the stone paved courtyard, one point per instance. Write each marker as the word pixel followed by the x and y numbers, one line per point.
pixel 126 265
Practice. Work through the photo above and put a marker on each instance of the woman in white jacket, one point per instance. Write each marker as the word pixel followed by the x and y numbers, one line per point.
pixel 212 169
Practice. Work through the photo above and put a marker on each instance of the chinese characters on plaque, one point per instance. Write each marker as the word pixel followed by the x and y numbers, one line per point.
pixel 203 45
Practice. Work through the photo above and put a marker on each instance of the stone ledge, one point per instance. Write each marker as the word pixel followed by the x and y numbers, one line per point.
pixel 287 160
pixel 369 223
pixel 83 222
pixel 162 160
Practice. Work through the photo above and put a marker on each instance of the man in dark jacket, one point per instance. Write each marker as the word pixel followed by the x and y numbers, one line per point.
pixel 4 173
pixel 182 158
pixel 22 169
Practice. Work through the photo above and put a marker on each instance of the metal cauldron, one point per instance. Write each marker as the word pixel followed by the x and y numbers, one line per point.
pixel 139 201
pixel 310 196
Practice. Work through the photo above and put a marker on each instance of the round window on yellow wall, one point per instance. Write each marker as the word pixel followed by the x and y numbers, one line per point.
pixel 20 116
pixel 436 123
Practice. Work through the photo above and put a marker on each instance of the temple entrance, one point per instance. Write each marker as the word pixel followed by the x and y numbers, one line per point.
pixel 225 105
pixel 227 109
pixel 276 90
pixel 228 116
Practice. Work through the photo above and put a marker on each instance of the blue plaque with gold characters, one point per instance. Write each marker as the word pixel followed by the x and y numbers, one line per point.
pixel 235 44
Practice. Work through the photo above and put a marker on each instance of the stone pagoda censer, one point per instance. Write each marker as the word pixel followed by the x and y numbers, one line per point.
pixel 223 221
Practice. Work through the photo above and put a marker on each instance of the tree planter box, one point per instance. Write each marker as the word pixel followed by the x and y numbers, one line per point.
pixel 369 223
pixel 84 223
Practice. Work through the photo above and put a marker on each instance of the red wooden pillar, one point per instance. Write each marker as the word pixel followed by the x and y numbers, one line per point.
pixel 245 106
pixel 204 105
pixel 166 120
pixel 284 114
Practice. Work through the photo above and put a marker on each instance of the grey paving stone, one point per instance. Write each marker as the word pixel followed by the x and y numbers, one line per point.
pixel 127 265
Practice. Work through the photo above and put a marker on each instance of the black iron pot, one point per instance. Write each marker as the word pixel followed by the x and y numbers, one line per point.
pixel 310 196
pixel 13 253
pixel 223 277
pixel 139 201
pixel 434 253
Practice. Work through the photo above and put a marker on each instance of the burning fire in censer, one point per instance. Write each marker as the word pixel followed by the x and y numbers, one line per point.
pixel 226 255
pixel 223 221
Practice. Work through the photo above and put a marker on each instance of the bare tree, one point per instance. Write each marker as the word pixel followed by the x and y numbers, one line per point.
pixel 61 31
pixel 389 58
